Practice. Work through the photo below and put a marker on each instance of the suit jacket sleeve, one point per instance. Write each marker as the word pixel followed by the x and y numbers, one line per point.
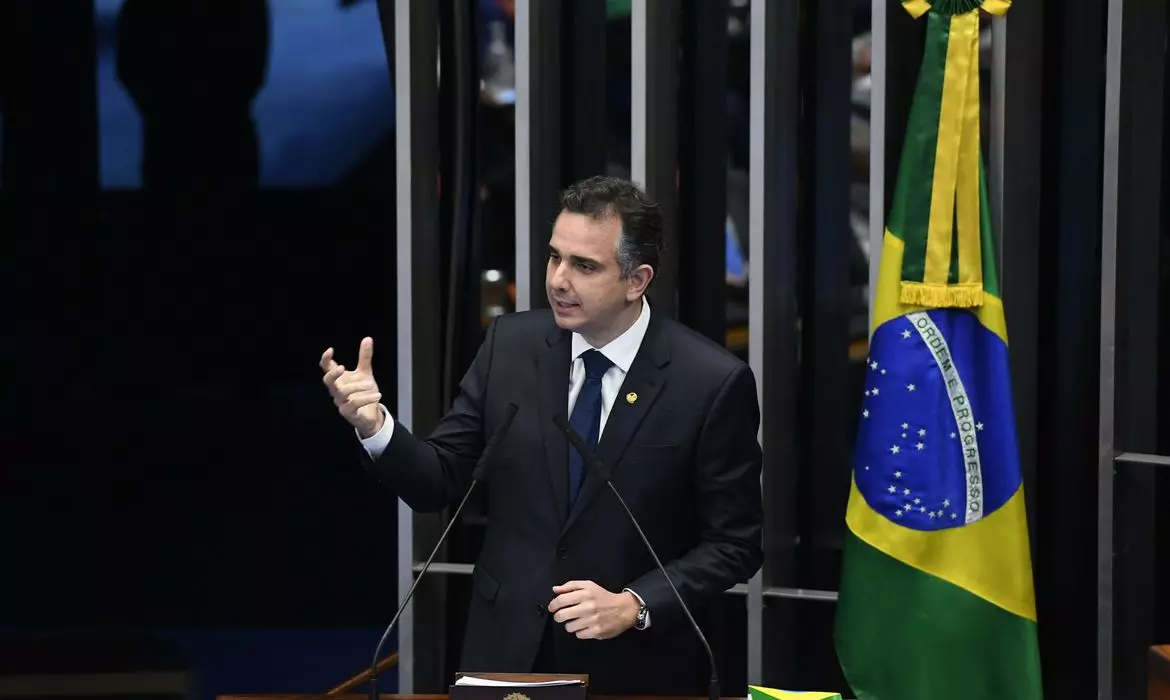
pixel 432 473
pixel 730 507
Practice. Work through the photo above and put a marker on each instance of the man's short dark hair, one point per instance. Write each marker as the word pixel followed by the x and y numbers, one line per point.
pixel 603 196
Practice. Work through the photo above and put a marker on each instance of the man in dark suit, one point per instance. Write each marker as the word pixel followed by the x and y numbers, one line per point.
pixel 563 583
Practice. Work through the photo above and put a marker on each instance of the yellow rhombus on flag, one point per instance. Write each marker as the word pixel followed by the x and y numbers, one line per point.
pixel 758 693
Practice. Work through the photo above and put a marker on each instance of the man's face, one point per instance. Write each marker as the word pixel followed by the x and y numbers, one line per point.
pixel 584 281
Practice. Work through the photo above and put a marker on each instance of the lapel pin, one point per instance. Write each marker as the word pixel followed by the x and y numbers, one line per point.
pixel 631 397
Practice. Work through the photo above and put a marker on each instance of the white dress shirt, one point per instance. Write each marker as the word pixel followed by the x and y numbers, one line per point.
pixel 621 351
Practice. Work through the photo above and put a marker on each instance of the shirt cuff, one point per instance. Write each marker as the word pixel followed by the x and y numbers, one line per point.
pixel 640 602
pixel 376 444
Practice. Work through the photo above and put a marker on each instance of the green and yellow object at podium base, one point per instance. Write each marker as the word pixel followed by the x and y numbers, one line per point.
pixel 758 693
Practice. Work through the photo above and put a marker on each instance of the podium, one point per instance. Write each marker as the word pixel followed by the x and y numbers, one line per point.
pixel 477 692
pixel 394 696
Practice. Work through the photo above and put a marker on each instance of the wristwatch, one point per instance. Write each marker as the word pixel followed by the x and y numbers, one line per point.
pixel 643 618
pixel 642 621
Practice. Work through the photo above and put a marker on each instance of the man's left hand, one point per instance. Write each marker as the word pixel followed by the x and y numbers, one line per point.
pixel 591 612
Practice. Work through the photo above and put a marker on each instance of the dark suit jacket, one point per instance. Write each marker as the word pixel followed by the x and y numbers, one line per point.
pixel 684 455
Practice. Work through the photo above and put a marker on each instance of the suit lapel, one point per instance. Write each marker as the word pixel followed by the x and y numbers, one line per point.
pixel 643 384
pixel 552 369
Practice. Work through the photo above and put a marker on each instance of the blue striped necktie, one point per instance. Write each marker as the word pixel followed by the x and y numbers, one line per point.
pixel 586 418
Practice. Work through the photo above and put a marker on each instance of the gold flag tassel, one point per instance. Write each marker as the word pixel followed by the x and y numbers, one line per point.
pixel 917 8
pixel 954 278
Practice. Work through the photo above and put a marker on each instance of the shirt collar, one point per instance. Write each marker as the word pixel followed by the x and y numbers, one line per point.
pixel 622 349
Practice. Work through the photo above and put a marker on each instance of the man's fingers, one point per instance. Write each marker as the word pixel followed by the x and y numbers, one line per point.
pixel 327 362
pixel 359 400
pixel 366 356
pixel 573 612
pixel 572 586
pixel 579 625
pixel 330 378
pixel 566 600
pixel 345 387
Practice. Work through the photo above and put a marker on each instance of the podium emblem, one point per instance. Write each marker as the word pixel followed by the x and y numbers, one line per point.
pixel 516 696
pixel 631 397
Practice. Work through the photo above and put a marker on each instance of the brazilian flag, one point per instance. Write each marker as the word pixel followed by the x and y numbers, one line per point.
pixel 936 595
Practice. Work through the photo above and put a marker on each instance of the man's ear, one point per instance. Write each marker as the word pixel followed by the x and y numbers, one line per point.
pixel 638 282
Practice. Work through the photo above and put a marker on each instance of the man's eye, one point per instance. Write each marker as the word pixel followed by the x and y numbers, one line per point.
pixel 586 267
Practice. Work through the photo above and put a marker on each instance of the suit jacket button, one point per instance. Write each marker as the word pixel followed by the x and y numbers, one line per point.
pixel 540 609
pixel 563 552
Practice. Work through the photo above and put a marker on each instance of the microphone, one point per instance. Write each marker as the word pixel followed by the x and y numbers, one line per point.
pixel 476 477
pixel 594 462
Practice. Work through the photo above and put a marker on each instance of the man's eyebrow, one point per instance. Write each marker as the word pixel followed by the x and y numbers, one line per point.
pixel 580 259
pixel 576 259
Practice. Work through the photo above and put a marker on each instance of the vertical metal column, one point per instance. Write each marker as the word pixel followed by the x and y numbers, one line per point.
pixel 415 53
pixel 772 224
pixel 1106 450
pixel 538 142
pixel 404 298
pixel 654 111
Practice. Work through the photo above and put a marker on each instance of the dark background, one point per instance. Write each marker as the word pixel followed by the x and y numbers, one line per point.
pixel 177 489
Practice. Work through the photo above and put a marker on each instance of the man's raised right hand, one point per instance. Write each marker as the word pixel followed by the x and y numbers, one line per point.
pixel 354 392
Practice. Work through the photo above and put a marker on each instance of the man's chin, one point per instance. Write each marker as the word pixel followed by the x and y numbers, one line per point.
pixel 568 323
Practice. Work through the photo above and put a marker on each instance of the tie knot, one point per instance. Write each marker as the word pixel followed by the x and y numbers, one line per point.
pixel 596 364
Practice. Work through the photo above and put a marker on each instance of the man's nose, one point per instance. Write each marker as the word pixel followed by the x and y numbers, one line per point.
pixel 560 280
